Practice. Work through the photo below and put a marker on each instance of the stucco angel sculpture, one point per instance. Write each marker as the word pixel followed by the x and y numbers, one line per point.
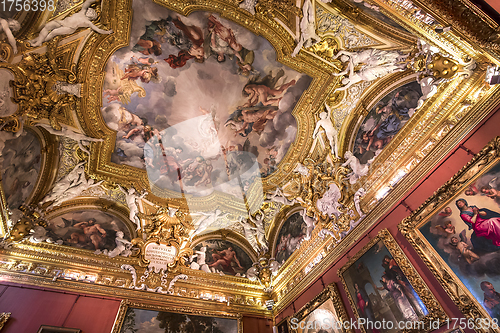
pixel 131 198
pixel 330 131
pixel 310 223
pixel 358 170
pixel 308 36
pixel 376 64
pixel 81 19
pixel 8 26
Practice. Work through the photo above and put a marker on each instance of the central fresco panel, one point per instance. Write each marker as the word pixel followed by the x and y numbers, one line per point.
pixel 199 102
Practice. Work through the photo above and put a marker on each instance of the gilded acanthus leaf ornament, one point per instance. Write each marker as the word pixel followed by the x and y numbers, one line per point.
pixel 271 7
pixel 167 239
pixel 38 89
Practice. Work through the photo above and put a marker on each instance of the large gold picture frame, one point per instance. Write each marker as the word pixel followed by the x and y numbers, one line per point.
pixel 329 302
pixel 409 283
pixel 283 326
pixel 440 212
pixel 121 317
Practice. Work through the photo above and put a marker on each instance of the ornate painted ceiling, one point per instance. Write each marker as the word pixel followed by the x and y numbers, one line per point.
pixel 222 150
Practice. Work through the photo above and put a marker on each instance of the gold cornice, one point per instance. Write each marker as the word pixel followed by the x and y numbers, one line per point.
pixel 250 306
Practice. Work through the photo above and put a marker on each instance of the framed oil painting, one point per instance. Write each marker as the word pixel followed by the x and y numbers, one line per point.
pixel 290 237
pixel 223 256
pixel 283 326
pixel 138 317
pixel 383 287
pixel 323 314
pixel 457 234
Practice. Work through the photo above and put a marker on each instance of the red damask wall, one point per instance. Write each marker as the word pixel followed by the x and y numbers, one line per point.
pixel 441 173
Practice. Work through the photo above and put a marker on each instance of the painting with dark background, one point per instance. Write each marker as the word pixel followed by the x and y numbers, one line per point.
pixel 87 229
pixel 20 160
pixel 385 120
pixel 289 238
pixel 224 256
pixel 380 290
pixel 149 321
pixel 472 250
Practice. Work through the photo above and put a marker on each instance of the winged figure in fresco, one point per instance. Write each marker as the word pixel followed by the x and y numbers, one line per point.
pixel 125 88
pixel 261 104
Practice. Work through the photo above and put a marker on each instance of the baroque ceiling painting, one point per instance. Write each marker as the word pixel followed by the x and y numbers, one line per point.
pixel 232 151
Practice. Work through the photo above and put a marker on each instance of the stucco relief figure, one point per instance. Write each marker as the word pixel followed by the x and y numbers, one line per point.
pixel 357 199
pixel 7 27
pixel 250 233
pixel 358 170
pixel 330 131
pixel 249 6
pixel 122 247
pixel 206 220
pixel 329 204
pixel 82 139
pixel 279 197
pixel 310 223
pixel 376 64
pixel 131 198
pixel 70 186
pixel 200 263
pixel 81 19
pixel 308 36
pixel 258 220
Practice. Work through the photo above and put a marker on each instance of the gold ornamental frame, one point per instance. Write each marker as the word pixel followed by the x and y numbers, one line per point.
pixel 126 304
pixel 331 292
pixel 409 227
pixel 435 311
pixel 284 321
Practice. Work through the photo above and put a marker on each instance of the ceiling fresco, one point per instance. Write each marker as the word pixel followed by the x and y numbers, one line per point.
pixel 222 150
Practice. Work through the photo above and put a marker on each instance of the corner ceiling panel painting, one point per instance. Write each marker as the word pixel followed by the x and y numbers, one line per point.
pixel 199 102
pixel 291 234
pixel 221 256
pixel 385 120
pixel 20 159
pixel 88 229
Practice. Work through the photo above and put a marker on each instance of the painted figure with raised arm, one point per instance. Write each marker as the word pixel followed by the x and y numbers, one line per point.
pixel 330 131
pixel 308 36
pixel 131 199
pixel 8 26
pixel 81 19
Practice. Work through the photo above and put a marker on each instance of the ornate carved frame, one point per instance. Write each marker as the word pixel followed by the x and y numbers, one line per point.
pixel 457 291
pixel 126 304
pixel 330 292
pixel 436 312
pixel 284 321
